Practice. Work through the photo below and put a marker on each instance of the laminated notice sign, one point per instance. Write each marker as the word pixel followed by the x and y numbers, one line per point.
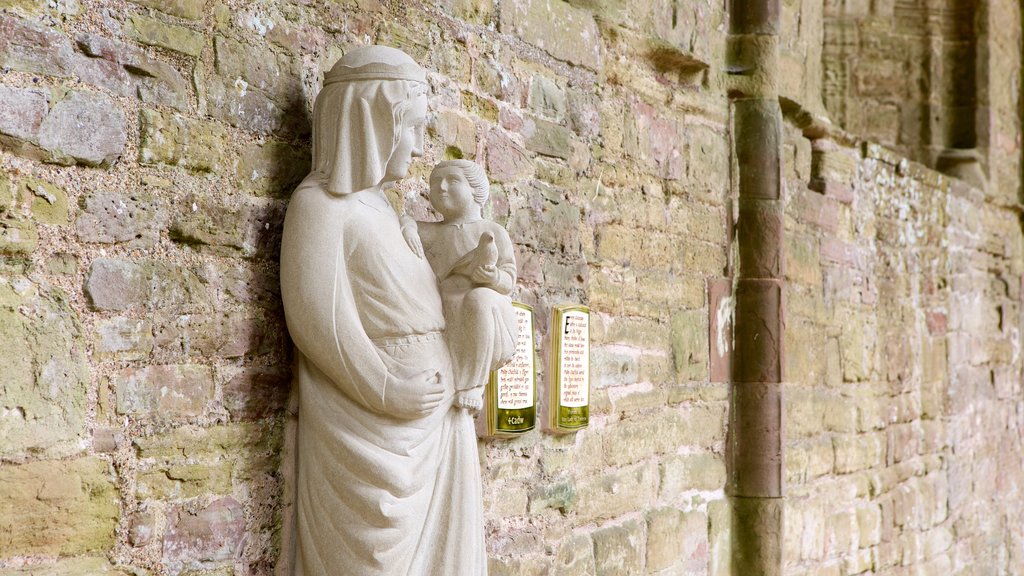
pixel 511 407
pixel 569 394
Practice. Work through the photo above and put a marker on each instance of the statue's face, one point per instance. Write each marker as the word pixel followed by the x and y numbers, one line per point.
pixel 450 193
pixel 410 141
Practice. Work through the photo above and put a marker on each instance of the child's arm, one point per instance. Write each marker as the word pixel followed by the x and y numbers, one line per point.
pixel 410 231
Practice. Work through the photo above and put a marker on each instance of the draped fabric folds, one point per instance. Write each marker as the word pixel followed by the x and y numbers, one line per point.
pixel 375 494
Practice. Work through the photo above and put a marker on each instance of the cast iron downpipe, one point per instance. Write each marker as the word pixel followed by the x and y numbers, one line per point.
pixel 755 481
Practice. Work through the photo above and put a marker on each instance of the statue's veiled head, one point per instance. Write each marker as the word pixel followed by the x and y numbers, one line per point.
pixel 368 119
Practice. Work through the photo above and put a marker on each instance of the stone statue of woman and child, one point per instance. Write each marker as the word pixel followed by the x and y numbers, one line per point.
pixel 396 325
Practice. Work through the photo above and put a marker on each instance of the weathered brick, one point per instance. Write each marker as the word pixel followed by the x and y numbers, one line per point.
pixel 619 549
pixel 564 31
pixel 164 391
pixel 84 127
pixel 154 32
pixel 57 507
pixel 204 538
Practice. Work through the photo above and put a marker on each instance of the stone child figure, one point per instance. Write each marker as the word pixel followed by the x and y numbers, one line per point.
pixel 387 479
pixel 476 270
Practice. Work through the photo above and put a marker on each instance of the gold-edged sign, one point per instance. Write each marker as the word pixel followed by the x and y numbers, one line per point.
pixel 512 391
pixel 569 397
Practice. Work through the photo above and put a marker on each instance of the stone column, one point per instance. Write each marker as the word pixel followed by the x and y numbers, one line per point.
pixel 755 484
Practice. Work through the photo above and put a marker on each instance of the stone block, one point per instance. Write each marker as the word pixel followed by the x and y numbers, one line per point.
pixel 506 160
pixel 111 217
pixel 124 338
pixel 547 138
pixel 231 441
pixel 18 236
pixel 273 168
pixel 205 538
pixel 682 473
pixel 575 556
pixel 547 98
pixel 52 508
pixel 188 9
pixel 48 202
pixel 457 133
pixel 236 227
pixel 183 481
pixel 45 375
pixel 656 139
pixel 21 113
pixel 562 30
pixel 256 393
pixel 84 127
pixel 154 32
pixel 719 538
pixel 81 566
pixel 859 451
pixel 619 550
pixel 127 71
pixel 173 140
pixel 210 335
pixel 690 346
pixel 663 432
pixel 30 47
pixel 114 284
pixel 170 391
pixel 677 540
pixel 614 492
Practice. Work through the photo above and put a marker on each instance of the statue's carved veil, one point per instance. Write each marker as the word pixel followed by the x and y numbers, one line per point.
pixel 359 113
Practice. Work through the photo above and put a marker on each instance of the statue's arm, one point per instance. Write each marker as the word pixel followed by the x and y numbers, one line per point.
pixel 321 313
pixel 507 272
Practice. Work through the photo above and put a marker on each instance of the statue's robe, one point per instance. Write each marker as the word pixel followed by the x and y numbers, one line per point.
pixel 375 494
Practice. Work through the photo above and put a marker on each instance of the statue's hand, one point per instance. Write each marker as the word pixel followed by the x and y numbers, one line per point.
pixel 486 275
pixel 417 396
pixel 412 238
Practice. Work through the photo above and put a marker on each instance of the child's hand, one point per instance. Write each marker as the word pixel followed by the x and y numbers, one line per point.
pixel 412 238
pixel 486 275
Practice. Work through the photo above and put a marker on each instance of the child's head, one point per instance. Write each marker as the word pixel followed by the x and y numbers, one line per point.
pixel 456 183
